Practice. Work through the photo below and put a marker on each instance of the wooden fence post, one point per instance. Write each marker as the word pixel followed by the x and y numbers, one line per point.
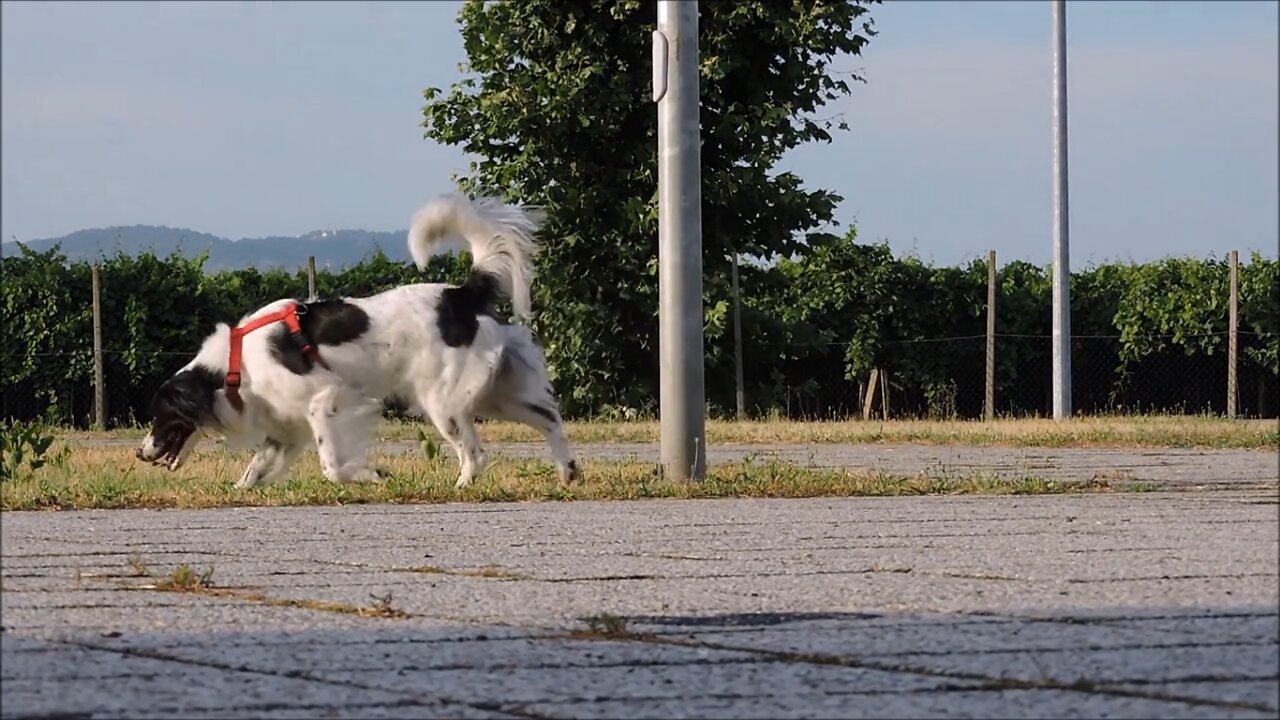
pixel 884 394
pixel 870 397
pixel 989 398
pixel 99 381
pixel 1233 320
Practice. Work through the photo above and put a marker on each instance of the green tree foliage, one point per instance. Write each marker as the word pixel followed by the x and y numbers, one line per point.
pixel 555 105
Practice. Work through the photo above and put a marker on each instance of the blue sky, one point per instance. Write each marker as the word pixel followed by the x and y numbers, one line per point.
pixel 253 119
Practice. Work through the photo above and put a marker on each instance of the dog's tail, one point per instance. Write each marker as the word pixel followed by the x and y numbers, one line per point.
pixel 500 237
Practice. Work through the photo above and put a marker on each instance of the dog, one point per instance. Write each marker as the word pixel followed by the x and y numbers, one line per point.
pixel 292 375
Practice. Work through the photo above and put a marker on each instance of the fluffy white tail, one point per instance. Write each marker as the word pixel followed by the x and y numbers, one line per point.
pixel 500 237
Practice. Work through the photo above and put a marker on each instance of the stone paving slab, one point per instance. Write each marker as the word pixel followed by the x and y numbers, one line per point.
pixel 1048 704
pixel 1109 605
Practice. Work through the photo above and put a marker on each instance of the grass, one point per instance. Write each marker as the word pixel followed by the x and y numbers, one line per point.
pixel 1160 431
pixel 110 477
pixel 487 571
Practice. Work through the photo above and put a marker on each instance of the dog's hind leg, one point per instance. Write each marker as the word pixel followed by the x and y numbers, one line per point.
pixel 543 416
pixel 458 429
pixel 471 449
pixel 445 425
pixel 521 393
pixel 457 404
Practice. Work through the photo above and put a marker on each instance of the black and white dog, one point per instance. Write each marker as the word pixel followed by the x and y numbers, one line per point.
pixel 291 374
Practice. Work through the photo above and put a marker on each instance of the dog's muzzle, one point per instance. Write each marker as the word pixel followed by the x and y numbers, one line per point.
pixel 149 452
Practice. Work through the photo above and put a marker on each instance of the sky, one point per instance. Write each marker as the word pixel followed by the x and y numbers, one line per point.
pixel 253 119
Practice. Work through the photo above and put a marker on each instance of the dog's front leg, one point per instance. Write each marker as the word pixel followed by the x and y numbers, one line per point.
pixel 261 465
pixel 343 425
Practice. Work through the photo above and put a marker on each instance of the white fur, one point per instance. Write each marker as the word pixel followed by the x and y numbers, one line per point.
pixel 401 355
pixel 500 237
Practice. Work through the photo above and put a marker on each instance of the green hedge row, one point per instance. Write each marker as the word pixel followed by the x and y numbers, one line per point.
pixel 1148 337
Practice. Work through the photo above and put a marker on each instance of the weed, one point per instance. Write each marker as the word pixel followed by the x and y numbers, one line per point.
pixel 607 625
pixel 23 447
pixel 184 579
pixel 138 566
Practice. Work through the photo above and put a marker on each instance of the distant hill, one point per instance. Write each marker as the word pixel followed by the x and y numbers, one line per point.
pixel 333 248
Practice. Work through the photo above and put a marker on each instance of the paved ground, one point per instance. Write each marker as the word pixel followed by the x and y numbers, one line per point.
pixel 1121 605
pixel 1173 468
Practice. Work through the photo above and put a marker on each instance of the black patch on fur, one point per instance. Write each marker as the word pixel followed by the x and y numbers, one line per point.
pixel 573 470
pixel 544 412
pixel 327 322
pixel 453 428
pixel 459 309
pixel 182 405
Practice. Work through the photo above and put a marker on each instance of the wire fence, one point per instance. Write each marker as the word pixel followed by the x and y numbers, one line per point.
pixel 1167 382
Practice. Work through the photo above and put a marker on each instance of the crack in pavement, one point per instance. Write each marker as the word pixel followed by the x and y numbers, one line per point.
pixel 511 709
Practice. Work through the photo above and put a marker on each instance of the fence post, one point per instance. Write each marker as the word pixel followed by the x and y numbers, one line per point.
pixel 740 393
pixel 1233 320
pixel 870 397
pixel 99 388
pixel 884 394
pixel 989 398
pixel 311 278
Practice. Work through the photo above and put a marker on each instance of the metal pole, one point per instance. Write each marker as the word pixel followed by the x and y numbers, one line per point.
pixel 4 397
pixel 740 394
pixel 989 397
pixel 99 385
pixel 1061 246
pixel 1233 332
pixel 682 390
pixel 311 278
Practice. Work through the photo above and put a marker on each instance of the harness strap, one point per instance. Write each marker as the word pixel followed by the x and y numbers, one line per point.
pixel 289 315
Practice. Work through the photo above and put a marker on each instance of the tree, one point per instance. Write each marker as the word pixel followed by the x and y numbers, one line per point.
pixel 555 106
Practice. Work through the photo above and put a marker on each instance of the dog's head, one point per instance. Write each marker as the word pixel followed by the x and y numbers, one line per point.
pixel 182 409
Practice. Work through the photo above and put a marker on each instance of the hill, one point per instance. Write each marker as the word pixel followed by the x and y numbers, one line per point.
pixel 332 248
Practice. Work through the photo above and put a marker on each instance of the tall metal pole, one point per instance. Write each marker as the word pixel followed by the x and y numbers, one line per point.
pixel 1233 333
pixel 989 396
pixel 99 373
pixel 740 393
pixel 682 390
pixel 1061 246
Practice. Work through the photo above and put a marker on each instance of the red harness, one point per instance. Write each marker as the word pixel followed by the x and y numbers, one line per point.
pixel 289 314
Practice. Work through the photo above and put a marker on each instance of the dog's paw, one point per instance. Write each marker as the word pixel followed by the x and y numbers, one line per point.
pixel 364 475
pixel 382 471
pixel 462 482
pixel 570 473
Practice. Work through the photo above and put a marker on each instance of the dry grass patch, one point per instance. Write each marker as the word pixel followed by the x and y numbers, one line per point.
pixel 110 477
pixel 184 579
pixel 488 571
pixel 1176 431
